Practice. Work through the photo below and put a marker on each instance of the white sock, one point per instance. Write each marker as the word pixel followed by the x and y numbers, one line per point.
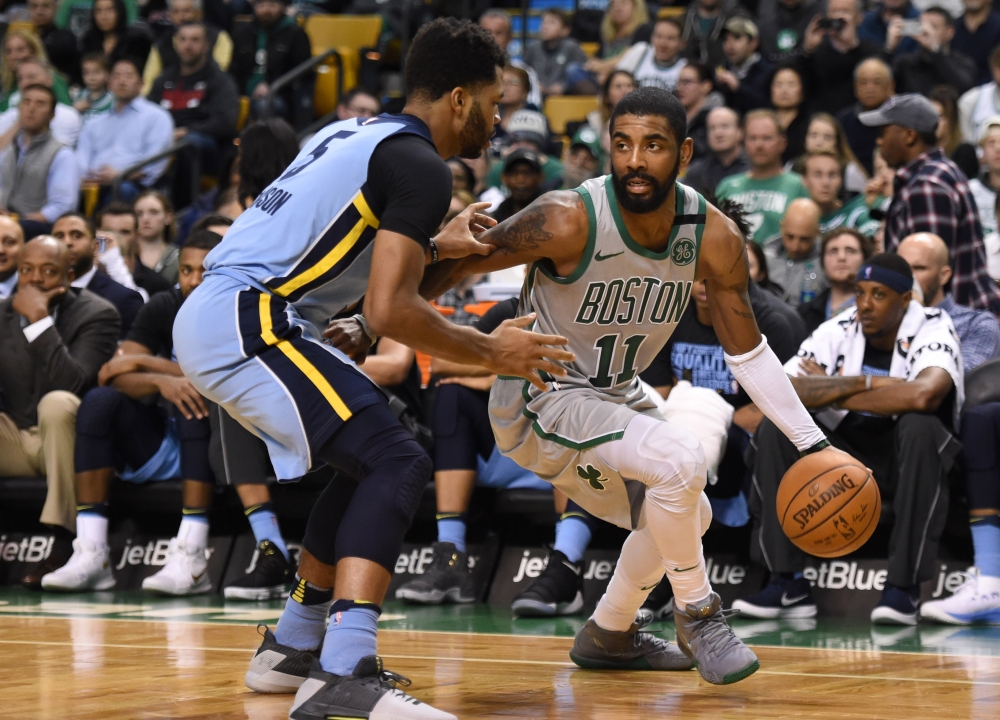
pixel 638 571
pixel 193 533
pixel 92 528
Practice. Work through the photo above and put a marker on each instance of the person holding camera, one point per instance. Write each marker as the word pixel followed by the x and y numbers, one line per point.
pixel 831 50
pixel 934 63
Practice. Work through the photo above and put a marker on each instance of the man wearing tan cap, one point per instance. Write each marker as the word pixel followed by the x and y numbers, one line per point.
pixel 746 79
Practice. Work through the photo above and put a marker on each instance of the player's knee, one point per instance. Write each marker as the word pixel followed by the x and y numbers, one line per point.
pixel 677 470
pixel 97 411
pixel 705 508
pixel 413 479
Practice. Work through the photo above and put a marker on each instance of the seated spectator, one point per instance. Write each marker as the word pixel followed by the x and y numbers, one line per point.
pixel 357 103
pixel 60 45
pixel 11 242
pixel 873 85
pixel 694 90
pixel 788 99
pixel 725 156
pixel 704 26
pixel 757 269
pixel 555 53
pixel 75 15
pixel 266 150
pixel 657 63
pixel 935 62
pixel 134 129
pixel 625 23
pixel 462 176
pixel 619 84
pixel 94 98
pixel 65 123
pixel 884 26
pixel 980 103
pixel 826 135
pixel 38 176
pixel 264 49
pixel 830 54
pixel 745 80
pixel 977 32
pixel 765 189
pixel 164 54
pixel 19 46
pixel 111 34
pixel 783 26
pixel 944 98
pixel 984 188
pixel 843 251
pixel 75 230
pixel 527 130
pixel 154 234
pixel 497 23
pixel 118 223
pixel 582 160
pixel 522 175
pixel 54 340
pixel 794 261
pixel 823 176
pixel 119 431
pixel 515 97
pixel 978 599
pixel 894 411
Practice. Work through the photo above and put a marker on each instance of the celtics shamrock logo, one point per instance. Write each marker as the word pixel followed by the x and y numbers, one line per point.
pixel 593 476
pixel 682 252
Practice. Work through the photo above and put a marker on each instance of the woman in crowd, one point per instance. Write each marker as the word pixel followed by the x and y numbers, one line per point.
pixel 619 84
pixel 18 46
pixel 787 97
pixel 516 88
pixel 155 232
pixel 625 23
pixel 463 179
pixel 109 33
pixel 757 265
pixel 949 132
pixel 843 251
pixel 826 134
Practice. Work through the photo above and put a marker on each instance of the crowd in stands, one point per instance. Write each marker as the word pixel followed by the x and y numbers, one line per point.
pixel 847 137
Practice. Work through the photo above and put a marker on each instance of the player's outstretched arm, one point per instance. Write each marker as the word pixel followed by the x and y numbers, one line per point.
pixel 394 309
pixel 553 228
pixel 723 265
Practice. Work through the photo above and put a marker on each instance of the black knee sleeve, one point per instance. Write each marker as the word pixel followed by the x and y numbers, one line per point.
pixel 980 439
pixel 194 436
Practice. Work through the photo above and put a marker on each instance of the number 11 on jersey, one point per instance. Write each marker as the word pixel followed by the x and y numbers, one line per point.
pixel 607 346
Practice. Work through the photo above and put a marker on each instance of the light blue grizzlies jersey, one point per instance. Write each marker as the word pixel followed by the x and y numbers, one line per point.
pixel 308 237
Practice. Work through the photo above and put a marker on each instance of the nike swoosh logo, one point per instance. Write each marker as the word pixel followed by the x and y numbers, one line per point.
pixel 648 588
pixel 199 576
pixel 685 569
pixel 786 601
pixel 576 570
pixel 598 257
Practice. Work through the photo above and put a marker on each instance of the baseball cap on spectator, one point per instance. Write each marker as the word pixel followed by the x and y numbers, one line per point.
pixel 586 137
pixel 991 122
pixel 529 125
pixel 910 110
pixel 741 27
pixel 522 155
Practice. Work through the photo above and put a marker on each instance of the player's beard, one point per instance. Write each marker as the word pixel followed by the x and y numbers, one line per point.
pixel 475 135
pixel 641 206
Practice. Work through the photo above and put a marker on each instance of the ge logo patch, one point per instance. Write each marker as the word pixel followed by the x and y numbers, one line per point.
pixel 683 252
pixel 593 476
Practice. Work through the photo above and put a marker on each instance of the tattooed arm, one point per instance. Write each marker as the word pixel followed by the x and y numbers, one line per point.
pixel 552 229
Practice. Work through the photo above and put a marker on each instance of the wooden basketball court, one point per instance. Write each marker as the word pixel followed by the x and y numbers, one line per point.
pixel 108 657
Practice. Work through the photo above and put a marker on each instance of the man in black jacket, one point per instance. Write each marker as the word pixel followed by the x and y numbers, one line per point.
pixel 75 230
pixel 266 48
pixel 53 340
pixel 935 63
pixel 746 79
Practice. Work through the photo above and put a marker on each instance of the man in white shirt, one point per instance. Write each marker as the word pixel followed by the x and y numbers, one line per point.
pixel 657 63
pixel 11 240
pixel 984 188
pixel 65 125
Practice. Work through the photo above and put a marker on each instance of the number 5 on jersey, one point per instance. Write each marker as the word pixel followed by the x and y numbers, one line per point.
pixel 607 346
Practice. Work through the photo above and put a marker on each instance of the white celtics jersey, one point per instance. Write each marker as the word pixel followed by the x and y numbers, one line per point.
pixel 623 301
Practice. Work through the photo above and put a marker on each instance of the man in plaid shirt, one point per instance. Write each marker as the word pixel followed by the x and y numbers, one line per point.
pixel 932 195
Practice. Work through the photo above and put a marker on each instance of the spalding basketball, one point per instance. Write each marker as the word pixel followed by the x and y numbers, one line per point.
pixel 828 504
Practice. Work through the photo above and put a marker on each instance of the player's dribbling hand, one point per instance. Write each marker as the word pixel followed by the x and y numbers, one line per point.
pixel 458 238
pixel 349 337
pixel 522 353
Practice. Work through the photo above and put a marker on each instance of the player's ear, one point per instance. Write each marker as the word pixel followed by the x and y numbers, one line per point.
pixel 459 101
pixel 686 153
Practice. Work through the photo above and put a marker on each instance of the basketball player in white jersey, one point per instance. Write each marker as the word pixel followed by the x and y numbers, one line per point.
pixel 612 265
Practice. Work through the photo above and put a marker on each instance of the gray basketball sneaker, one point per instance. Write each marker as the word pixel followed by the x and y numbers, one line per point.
pixel 706 638
pixel 369 692
pixel 277 668
pixel 598 649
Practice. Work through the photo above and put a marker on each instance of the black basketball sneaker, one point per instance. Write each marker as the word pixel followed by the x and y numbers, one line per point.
pixel 659 603
pixel 369 692
pixel 269 578
pixel 447 578
pixel 557 591
pixel 595 648
pixel 277 668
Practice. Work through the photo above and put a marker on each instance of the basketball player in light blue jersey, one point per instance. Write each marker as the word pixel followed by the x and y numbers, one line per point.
pixel 612 267
pixel 351 217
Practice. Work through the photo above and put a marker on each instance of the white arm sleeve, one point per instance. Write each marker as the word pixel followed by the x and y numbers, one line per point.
pixel 114 265
pixel 761 375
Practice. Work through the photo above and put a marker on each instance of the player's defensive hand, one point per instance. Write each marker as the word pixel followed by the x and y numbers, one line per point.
pixel 458 238
pixel 522 353
pixel 349 337
pixel 180 392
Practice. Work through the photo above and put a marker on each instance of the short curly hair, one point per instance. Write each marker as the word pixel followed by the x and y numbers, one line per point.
pixel 449 53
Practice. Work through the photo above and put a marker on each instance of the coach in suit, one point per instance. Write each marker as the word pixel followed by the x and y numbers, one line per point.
pixel 78 234
pixel 53 341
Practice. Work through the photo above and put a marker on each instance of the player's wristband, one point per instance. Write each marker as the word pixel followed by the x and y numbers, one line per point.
pixel 434 251
pixel 821 445
pixel 372 337
pixel 868 382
